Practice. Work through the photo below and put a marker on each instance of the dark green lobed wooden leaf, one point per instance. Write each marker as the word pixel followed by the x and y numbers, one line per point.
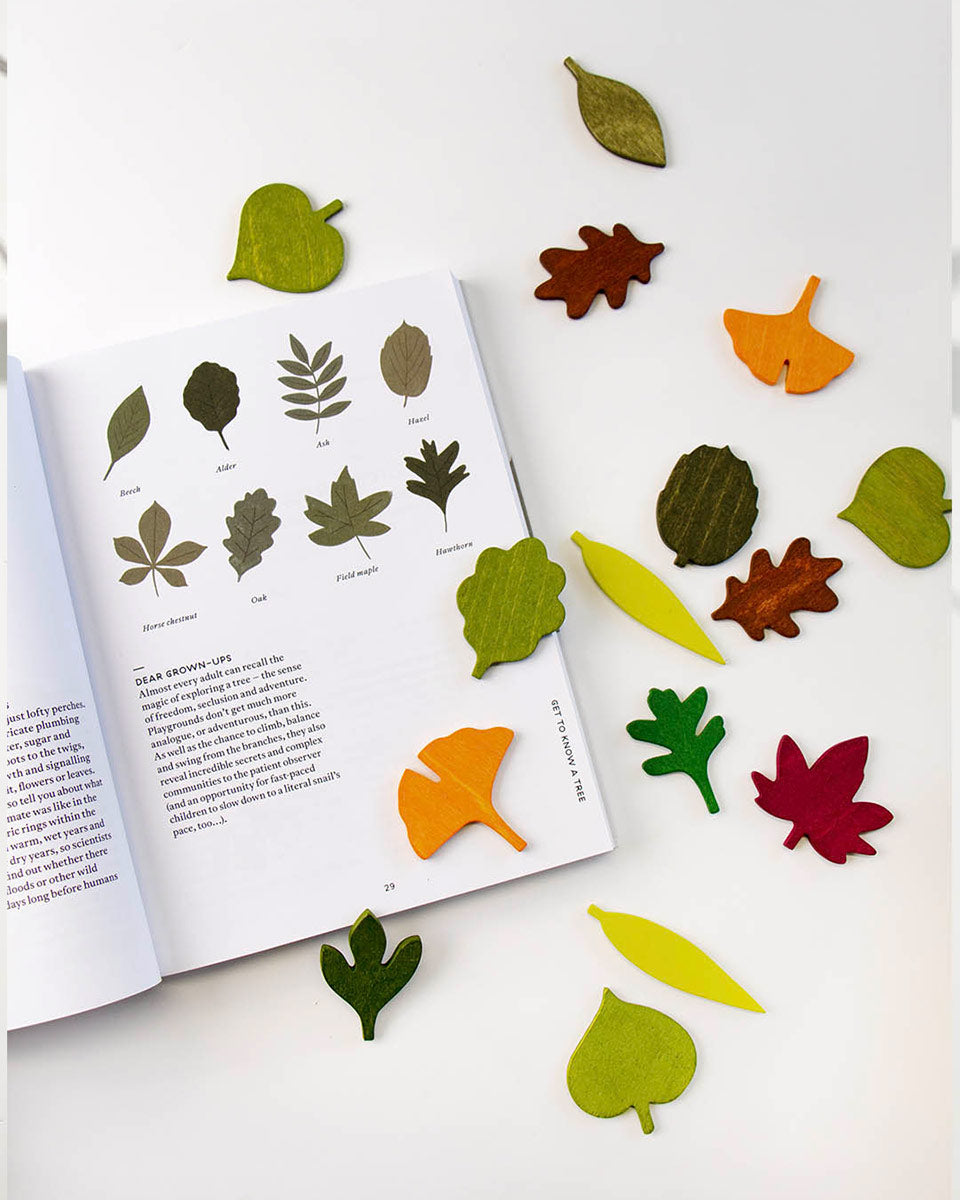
pixel 675 728
pixel 706 511
pixel 127 426
pixel 212 397
pixel 251 527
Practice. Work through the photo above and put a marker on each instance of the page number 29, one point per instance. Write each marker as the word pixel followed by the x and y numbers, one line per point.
pixel 389 887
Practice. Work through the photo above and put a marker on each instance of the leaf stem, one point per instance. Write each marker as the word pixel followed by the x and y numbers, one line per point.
pixel 793 838
pixel 368 1022
pixel 110 468
pixel 153 576
pixel 445 529
pixel 224 440
pixel 360 544
pixel 317 388
pixel 706 791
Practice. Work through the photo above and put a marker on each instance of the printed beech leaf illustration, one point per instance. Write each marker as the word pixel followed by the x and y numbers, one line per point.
pixel 284 244
pixel 346 516
pixel 315 384
pixel 675 727
pixel 252 527
pixel 405 361
pixel 212 397
pixel 467 762
pixel 770 594
pixel 621 120
pixel 154 529
pixel 607 265
pixel 370 983
pixel 819 799
pixel 128 426
pixel 435 479
pixel 707 508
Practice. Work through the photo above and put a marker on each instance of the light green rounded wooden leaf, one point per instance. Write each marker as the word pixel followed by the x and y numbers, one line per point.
pixel 284 244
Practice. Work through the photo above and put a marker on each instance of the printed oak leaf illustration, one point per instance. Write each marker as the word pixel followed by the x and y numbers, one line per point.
pixel 675 727
pixel 406 361
pixel 212 397
pixel 313 374
pixel 127 427
pixel 346 516
pixel 607 265
pixel 435 479
pixel 252 527
pixel 819 799
pixel 154 529
pixel 770 594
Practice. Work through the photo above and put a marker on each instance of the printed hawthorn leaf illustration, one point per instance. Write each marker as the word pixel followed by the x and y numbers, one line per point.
pixel 252 527
pixel 284 243
pixel 212 397
pixel 346 516
pixel 370 983
pixel 154 529
pixel 607 265
pixel 819 799
pixel 405 361
pixel 675 727
pixel 435 479
pixel 313 375
pixel 128 426
pixel 621 120
pixel 707 508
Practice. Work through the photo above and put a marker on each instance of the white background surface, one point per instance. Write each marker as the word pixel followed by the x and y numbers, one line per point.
pixel 801 140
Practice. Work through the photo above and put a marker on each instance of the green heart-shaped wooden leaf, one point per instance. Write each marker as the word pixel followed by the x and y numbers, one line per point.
pixel 284 244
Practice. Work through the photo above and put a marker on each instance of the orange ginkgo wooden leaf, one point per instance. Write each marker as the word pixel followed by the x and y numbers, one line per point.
pixel 467 762
pixel 607 265
pixel 767 342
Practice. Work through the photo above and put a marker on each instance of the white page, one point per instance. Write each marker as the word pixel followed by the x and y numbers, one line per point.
pixel 77 935
pixel 381 663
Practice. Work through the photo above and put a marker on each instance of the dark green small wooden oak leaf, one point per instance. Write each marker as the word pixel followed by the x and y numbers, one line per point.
pixel 370 983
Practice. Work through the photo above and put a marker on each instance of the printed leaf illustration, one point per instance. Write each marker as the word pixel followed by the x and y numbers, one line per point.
pixel 435 479
pixel 643 596
pixel 154 529
pixel 467 762
pixel 346 516
pixel 819 799
pixel 128 426
pixel 621 120
pixel 768 342
pixel 315 383
pixel 370 983
pixel 770 594
pixel 707 509
pixel 252 527
pixel 900 504
pixel 510 602
pixel 675 727
pixel 284 244
pixel 212 397
pixel 630 1057
pixel 671 958
pixel 405 361
pixel 607 265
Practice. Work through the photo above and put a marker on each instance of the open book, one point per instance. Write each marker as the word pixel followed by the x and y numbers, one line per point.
pixel 209 710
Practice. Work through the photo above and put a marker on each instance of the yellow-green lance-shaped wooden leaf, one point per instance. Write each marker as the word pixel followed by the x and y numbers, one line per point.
pixel 671 958
pixel 619 118
pixel 284 244
pixel 645 597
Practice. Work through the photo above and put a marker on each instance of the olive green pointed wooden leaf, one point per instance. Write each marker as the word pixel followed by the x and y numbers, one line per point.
pixel 284 244
pixel 405 361
pixel 900 504
pixel 621 120
pixel 706 511
pixel 128 426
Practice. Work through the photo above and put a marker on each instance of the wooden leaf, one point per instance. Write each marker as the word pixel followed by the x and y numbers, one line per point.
pixel 708 506
pixel 405 361
pixel 212 397
pixel 675 728
pixel 128 426
pixel 607 265
pixel 284 244
pixel 251 527
pixel 621 120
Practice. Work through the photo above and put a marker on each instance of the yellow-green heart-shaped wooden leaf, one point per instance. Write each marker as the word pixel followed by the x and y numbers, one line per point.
pixel 284 244
pixel 621 120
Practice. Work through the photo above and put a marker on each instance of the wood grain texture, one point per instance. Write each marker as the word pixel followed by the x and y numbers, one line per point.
pixel 607 265
pixel 708 506
pixel 621 120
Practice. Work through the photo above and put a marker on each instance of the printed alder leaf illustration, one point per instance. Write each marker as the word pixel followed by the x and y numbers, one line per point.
pixel 128 426
pixel 154 529
pixel 768 342
pixel 370 983
pixel 819 799
pixel 467 763
pixel 621 120
pixel 346 516
pixel 630 1057
pixel 435 480
pixel 671 958
pixel 770 594
pixel 706 511
pixel 510 602
pixel 252 527
pixel 308 375
pixel 405 361
pixel 284 244
pixel 212 397
pixel 675 727
pixel 900 504
pixel 607 265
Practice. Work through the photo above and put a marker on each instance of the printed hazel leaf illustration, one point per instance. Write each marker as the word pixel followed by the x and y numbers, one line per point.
pixel 435 479
pixel 770 594
pixel 128 426
pixel 630 1057
pixel 510 602
pixel 212 397
pixel 284 244
pixel 768 342
pixel 370 983
pixel 313 375
pixel 467 763
pixel 675 727
pixel 252 527
pixel 621 120
pixel 346 516
pixel 405 361
pixel 819 799
pixel 707 508
pixel 154 529
pixel 607 265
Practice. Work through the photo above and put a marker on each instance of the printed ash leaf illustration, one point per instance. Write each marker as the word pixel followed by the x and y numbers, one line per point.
pixel 607 265
pixel 128 426
pixel 154 529
pixel 770 594
pixel 212 397
pixel 405 361
pixel 284 244
pixel 252 527
pixel 435 479
pixel 346 516
pixel 370 983
pixel 819 799
pixel 675 727
pixel 621 120
pixel 313 374
pixel 707 508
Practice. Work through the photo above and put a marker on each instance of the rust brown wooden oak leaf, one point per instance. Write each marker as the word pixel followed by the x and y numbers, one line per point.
pixel 607 265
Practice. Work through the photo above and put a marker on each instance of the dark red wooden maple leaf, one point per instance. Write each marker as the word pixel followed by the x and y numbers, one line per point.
pixel 607 265
pixel 819 799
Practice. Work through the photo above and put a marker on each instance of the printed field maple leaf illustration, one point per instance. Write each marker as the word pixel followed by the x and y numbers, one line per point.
pixel 607 265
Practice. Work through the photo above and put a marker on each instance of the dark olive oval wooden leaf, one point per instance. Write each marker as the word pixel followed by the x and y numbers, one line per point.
pixel 298 349
pixel 127 426
pixel 707 508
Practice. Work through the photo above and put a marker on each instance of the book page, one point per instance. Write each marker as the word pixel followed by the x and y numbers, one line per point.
pixel 264 703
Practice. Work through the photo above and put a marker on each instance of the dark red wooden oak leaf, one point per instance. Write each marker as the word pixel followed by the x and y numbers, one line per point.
pixel 819 799
pixel 607 265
